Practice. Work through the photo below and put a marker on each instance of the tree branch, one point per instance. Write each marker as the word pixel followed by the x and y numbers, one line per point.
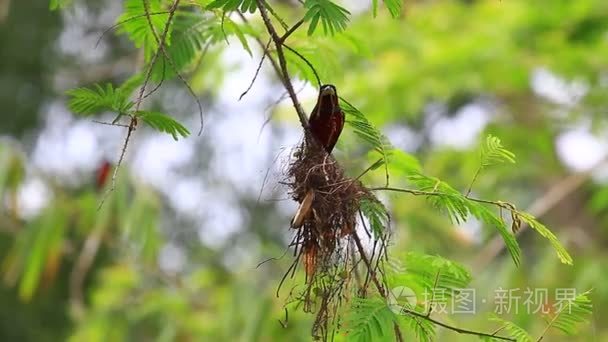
pixel 284 73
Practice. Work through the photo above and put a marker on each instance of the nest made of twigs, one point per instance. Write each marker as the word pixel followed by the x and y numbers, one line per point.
pixel 323 241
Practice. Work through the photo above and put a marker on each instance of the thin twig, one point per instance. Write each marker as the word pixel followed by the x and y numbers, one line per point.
pixel 161 44
pixel 257 71
pixel 110 124
pixel 456 329
pixel 275 15
pixel 124 22
pixel 314 71
pixel 372 273
pixel 291 30
pixel 500 204
pixel 142 90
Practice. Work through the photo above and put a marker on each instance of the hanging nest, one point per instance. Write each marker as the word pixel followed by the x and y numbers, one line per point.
pixel 326 243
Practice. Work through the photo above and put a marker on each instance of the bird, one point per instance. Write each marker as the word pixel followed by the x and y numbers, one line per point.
pixel 327 118
pixel 325 122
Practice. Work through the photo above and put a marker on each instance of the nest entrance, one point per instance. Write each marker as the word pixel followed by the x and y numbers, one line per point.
pixel 326 241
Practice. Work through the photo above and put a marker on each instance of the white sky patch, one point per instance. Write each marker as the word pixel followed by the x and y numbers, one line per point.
pixel 171 259
pixel 223 218
pixel 471 230
pixel 580 150
pixel 555 89
pixel 462 130
pixel 186 196
pixel 32 196
pixel 157 156
pixel 402 137
pixel 66 147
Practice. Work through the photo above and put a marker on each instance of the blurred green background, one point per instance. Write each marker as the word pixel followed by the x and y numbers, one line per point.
pixel 172 255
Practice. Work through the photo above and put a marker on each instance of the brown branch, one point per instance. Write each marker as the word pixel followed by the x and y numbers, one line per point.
pixel 500 204
pixel 456 329
pixel 284 73
pixel 291 30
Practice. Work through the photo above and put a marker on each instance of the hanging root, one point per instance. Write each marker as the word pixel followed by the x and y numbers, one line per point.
pixel 325 223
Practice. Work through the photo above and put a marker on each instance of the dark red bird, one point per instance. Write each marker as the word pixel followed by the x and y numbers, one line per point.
pixel 327 119
pixel 102 175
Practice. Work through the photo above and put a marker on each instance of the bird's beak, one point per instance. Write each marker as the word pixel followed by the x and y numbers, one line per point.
pixel 327 91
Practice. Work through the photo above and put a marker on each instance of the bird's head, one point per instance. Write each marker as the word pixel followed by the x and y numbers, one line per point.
pixel 328 98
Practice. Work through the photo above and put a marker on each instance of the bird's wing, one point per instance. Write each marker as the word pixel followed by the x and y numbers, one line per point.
pixel 337 123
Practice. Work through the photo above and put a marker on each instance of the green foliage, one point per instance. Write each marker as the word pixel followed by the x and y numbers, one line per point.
pixel 233 5
pixel 163 123
pixel 429 273
pixel 515 331
pixel 333 18
pixel 562 254
pixel 364 129
pixel 134 23
pixel 57 4
pixel 493 152
pixel 42 249
pixel 377 216
pixel 448 51
pixel 86 101
pixel 572 312
pixel 459 207
pixel 191 32
pixel 488 217
pixel 394 7
pixel 423 329
pixel 370 319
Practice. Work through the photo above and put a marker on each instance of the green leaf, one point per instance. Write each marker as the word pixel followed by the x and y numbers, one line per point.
pixel 376 214
pixel 515 331
pixel 130 85
pixel 459 207
pixel 493 152
pixel 571 312
pixel 562 253
pixel 368 132
pixel 88 101
pixel 233 5
pixel 191 33
pixel 134 23
pixel 163 123
pixel 435 272
pixel 43 247
pixel 484 214
pixel 233 27
pixel 424 329
pixel 333 17
pixel 57 4
pixel 370 319
pixel 394 7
